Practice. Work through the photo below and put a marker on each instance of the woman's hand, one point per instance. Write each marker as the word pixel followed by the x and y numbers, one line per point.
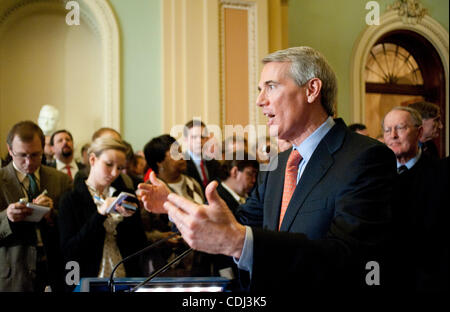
pixel 119 208
pixel 124 211
pixel 106 203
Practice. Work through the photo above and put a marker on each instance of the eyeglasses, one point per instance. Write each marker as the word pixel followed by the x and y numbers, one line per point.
pixel 32 156
pixel 400 129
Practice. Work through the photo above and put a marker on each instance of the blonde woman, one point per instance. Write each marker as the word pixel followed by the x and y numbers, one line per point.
pixel 95 239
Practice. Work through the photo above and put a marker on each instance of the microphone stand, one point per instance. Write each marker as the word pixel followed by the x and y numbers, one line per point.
pixel 161 270
pixel 159 242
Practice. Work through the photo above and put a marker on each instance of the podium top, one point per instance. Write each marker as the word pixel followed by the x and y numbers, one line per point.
pixel 158 284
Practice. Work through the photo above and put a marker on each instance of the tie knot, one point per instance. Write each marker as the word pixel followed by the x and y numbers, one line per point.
pixel 402 169
pixel 294 159
pixel 32 179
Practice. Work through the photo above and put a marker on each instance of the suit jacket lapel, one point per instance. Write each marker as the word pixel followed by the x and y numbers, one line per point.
pixel 316 168
pixel 319 163
pixel 191 168
pixel 12 185
pixel 46 180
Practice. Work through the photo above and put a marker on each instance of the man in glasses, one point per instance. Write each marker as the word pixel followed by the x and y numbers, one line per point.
pixel 418 202
pixel 28 250
pixel 402 128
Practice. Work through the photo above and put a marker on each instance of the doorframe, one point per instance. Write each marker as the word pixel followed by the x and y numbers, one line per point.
pixel 428 28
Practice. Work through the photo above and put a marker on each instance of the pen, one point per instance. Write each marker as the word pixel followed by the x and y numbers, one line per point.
pixel 45 192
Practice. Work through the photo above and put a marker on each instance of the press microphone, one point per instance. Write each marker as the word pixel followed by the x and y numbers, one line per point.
pixel 157 243
pixel 161 270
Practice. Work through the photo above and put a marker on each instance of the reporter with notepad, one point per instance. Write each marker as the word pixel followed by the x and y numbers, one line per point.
pixel 29 251
pixel 97 240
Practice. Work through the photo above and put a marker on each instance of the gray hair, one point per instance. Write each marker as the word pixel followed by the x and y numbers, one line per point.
pixel 415 115
pixel 102 144
pixel 306 64
pixel 426 109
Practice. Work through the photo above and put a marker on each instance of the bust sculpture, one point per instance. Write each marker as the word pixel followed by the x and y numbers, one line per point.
pixel 48 119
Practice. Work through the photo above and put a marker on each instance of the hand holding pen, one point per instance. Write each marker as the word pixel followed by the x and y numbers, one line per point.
pixel 43 200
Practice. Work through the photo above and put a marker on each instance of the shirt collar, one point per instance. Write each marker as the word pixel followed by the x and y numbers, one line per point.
pixel 60 165
pixel 195 159
pixel 410 163
pixel 22 175
pixel 236 196
pixel 308 146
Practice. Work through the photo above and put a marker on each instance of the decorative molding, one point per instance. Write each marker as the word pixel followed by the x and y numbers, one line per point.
pixel 106 20
pixel 428 28
pixel 253 69
pixel 410 11
pixel 99 16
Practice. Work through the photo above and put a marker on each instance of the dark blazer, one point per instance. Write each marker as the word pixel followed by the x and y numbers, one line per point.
pixel 338 216
pixel 232 203
pixel 18 239
pixel 83 234
pixel 420 240
pixel 429 149
pixel 212 168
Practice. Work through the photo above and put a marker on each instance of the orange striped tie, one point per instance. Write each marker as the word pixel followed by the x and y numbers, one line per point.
pixel 290 181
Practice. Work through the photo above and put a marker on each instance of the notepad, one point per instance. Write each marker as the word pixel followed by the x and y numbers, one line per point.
pixel 123 196
pixel 37 214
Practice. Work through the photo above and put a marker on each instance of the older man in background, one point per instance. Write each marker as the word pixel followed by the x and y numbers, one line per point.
pixel 417 226
pixel 431 124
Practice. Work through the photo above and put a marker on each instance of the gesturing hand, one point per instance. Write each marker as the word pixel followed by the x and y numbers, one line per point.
pixel 210 228
pixel 153 195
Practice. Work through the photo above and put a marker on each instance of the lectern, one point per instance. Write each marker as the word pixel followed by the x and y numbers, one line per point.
pixel 158 284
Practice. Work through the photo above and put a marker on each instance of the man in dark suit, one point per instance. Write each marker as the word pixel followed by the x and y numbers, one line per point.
pixel 432 126
pixel 238 177
pixel 61 142
pixel 29 251
pixel 324 209
pixel 201 169
pixel 416 213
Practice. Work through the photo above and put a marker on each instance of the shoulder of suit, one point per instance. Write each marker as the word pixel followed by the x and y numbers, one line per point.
pixel 47 170
pixel 7 171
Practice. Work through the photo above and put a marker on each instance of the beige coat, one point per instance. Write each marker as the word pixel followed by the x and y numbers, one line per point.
pixel 17 249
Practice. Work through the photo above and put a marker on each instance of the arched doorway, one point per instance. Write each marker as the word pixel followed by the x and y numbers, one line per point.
pixel 391 26
pixel 403 67
pixel 75 68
